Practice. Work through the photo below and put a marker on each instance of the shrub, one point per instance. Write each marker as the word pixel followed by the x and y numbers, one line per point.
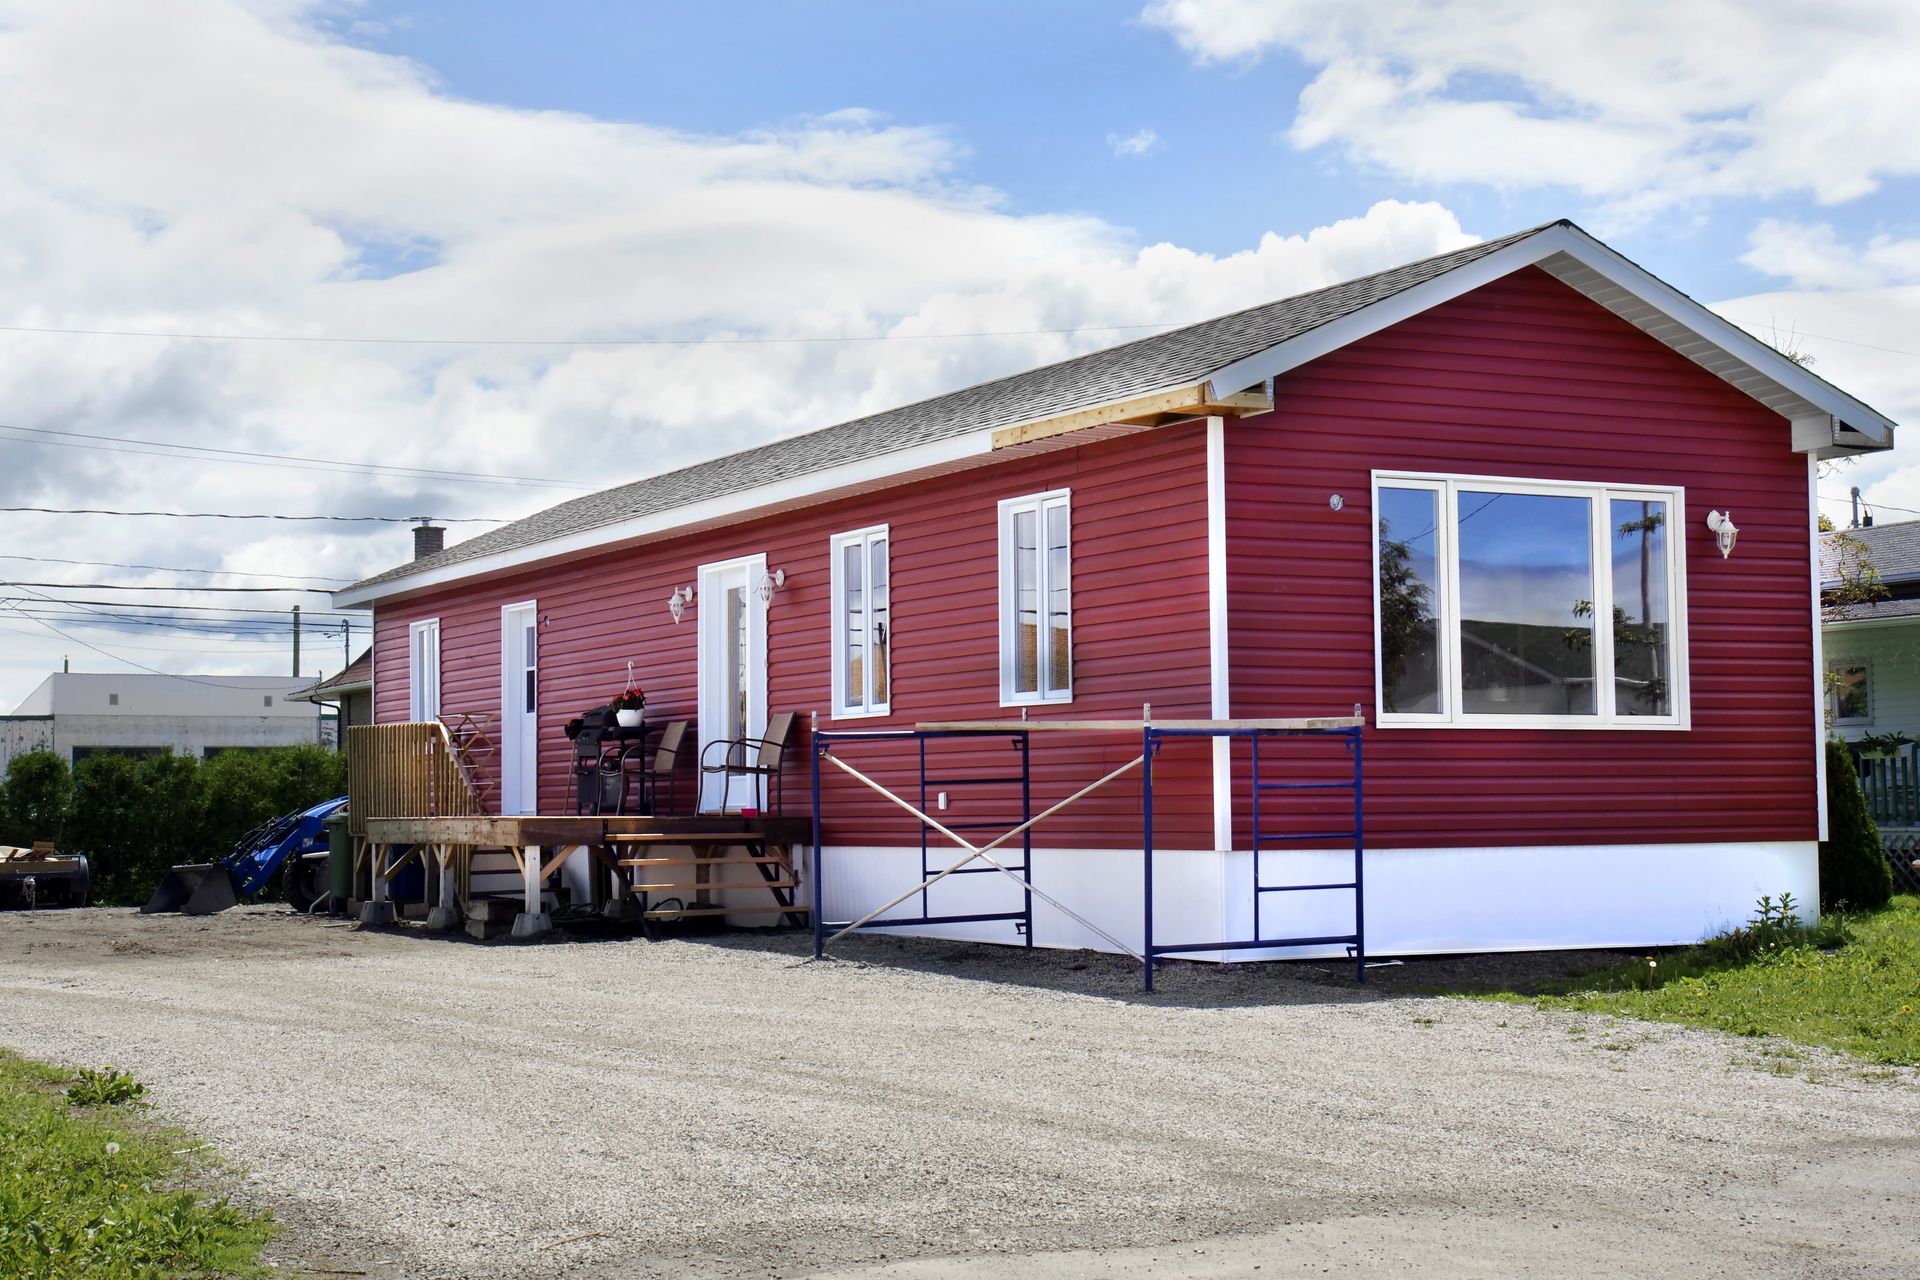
pixel 108 824
pixel 1854 873
pixel 35 798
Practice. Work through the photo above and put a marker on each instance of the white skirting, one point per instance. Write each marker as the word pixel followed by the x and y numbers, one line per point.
pixel 1418 901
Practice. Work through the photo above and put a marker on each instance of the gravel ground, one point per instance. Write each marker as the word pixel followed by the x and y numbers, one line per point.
pixel 415 1105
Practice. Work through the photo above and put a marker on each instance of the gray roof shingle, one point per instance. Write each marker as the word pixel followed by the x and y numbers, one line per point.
pixel 1175 358
pixel 1893 548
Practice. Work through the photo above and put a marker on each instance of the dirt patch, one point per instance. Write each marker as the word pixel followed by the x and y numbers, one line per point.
pixel 422 1106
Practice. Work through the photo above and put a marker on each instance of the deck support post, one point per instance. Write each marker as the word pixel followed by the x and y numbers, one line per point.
pixel 377 910
pixel 447 914
pixel 532 921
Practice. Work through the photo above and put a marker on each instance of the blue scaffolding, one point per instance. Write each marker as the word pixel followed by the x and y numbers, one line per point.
pixel 1154 735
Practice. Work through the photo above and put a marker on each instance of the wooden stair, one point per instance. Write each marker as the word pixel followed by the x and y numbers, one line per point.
pixel 669 878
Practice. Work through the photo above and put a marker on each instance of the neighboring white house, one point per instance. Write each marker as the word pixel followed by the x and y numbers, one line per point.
pixel 1872 654
pixel 78 714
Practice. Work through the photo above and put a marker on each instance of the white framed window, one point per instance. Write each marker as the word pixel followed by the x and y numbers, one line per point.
pixel 862 623
pixel 423 671
pixel 1850 691
pixel 1489 596
pixel 1036 599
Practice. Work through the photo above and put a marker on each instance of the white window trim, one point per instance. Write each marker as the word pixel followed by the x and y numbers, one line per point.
pixel 1833 695
pixel 1009 606
pixel 863 538
pixel 1448 487
pixel 416 702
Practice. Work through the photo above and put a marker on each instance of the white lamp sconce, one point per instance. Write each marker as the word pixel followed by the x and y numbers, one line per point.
pixel 771 583
pixel 1725 532
pixel 677 602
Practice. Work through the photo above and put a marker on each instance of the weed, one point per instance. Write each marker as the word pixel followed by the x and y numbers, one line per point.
pixel 106 1087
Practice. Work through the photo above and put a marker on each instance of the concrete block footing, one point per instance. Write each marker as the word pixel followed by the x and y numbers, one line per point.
pixel 443 918
pixel 623 910
pixel 531 924
pixel 376 913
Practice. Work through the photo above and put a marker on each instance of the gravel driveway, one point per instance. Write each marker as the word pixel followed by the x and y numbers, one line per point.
pixel 414 1105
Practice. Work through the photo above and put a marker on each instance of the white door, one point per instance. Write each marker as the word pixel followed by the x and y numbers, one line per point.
pixel 733 669
pixel 519 708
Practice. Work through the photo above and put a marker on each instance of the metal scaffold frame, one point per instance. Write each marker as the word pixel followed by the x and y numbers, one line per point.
pixel 1153 736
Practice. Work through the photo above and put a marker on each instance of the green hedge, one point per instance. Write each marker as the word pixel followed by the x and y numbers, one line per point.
pixel 1854 871
pixel 137 817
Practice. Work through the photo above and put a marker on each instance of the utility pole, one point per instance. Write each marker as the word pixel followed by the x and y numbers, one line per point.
pixel 346 644
pixel 296 641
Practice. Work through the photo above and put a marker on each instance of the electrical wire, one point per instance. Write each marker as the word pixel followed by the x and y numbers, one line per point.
pixel 288 461
pixel 173 568
pixel 125 586
pixel 229 515
pixel 107 653
pixel 577 342
pixel 195 608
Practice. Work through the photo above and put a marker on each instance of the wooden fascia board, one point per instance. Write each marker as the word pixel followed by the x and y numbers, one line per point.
pixel 1195 400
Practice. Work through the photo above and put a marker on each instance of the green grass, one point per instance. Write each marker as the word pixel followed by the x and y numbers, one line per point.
pixel 102 1192
pixel 1850 983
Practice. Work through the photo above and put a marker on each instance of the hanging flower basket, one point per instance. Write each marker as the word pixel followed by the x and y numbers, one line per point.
pixel 628 704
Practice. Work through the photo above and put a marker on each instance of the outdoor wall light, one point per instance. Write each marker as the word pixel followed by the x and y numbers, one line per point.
pixel 1724 530
pixel 677 602
pixel 771 583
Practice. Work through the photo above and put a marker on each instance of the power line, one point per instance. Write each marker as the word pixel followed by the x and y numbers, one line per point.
pixel 1878 506
pixel 120 586
pixel 229 647
pixel 578 342
pixel 108 653
pixel 174 568
pixel 229 515
pixel 196 608
pixel 1846 342
pixel 288 461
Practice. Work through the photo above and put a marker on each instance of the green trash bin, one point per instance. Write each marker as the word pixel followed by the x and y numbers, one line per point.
pixel 339 860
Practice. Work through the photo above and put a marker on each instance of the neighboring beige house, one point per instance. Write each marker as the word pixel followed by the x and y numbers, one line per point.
pixel 78 714
pixel 349 693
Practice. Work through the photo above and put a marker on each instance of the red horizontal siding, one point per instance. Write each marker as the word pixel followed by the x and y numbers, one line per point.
pixel 1526 378
pixel 1139 617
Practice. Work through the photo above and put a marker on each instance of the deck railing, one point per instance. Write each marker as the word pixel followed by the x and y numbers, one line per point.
pixel 1892 784
pixel 405 771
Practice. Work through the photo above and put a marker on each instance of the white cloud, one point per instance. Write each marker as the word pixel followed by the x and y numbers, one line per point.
pixel 1641 103
pixel 1856 310
pixel 1138 143
pixel 223 167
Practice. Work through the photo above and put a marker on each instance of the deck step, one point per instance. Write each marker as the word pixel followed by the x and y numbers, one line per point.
pixel 776 859
pixel 677 885
pixel 672 913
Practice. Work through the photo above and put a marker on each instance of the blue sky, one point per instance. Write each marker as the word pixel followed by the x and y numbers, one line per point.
pixel 1034 92
pixel 867 177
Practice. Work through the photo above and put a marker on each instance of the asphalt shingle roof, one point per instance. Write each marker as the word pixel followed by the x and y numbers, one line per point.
pixel 1893 548
pixel 1176 358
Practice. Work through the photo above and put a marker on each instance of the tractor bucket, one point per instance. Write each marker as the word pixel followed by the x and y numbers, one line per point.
pixel 196 889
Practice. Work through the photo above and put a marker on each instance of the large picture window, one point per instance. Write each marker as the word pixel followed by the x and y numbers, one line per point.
pixel 862 624
pixel 1036 599
pixel 1527 604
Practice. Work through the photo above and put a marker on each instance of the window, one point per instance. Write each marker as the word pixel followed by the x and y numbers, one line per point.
pixel 267 700
pixel 862 624
pixel 1036 599
pixel 423 682
pixel 1489 596
pixel 1851 685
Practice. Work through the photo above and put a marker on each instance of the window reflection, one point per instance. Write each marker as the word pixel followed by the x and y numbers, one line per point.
pixel 1526 603
pixel 1410 600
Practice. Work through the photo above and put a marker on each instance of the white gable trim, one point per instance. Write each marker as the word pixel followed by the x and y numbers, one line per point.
pixel 1723 348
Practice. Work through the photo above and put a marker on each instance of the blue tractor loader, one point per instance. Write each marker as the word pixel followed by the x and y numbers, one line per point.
pixel 202 888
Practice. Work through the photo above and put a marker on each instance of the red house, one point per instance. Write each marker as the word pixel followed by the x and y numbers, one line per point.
pixel 1547 521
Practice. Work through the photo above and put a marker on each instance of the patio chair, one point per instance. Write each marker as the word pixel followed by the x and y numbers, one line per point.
pixel 662 765
pixel 758 759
